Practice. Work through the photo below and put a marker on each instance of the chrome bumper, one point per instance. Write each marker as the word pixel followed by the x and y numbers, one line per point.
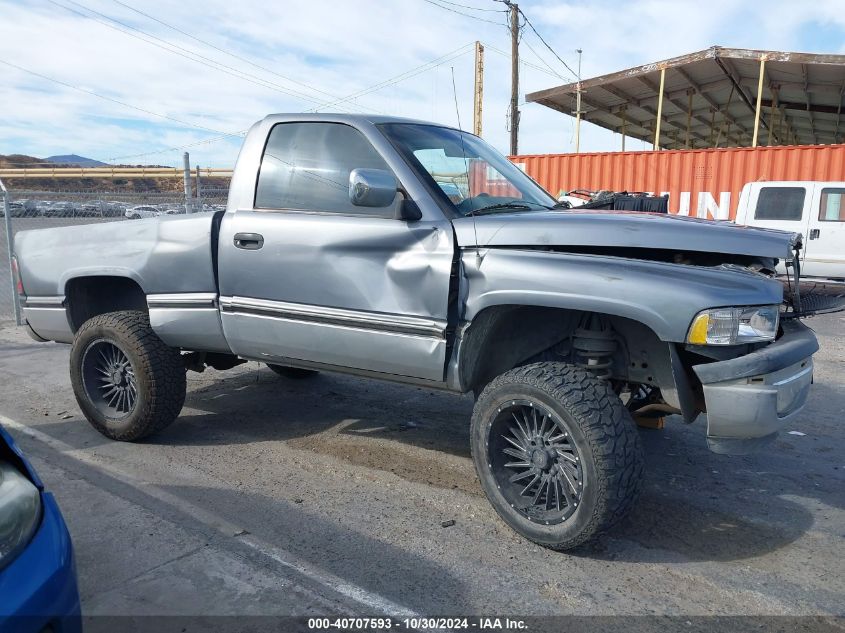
pixel 47 318
pixel 750 398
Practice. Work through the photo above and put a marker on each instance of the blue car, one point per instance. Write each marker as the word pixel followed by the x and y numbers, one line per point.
pixel 38 589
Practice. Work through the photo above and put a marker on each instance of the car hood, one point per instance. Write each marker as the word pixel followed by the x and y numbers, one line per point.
pixel 603 229
pixel 9 451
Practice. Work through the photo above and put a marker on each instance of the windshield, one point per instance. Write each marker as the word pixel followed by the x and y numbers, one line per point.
pixel 474 176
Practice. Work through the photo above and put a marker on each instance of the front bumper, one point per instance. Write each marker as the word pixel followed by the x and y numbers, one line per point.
pixel 38 589
pixel 750 398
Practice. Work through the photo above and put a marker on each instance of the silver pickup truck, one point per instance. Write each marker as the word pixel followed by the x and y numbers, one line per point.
pixel 413 252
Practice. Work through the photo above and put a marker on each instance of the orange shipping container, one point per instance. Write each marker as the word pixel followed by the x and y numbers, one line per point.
pixel 702 183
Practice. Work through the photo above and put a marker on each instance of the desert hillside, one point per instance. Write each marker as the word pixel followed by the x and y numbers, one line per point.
pixel 146 185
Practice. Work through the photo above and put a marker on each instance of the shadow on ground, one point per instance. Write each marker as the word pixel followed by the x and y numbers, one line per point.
pixel 695 505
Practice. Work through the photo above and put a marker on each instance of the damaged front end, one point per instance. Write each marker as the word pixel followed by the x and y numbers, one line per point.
pixel 751 396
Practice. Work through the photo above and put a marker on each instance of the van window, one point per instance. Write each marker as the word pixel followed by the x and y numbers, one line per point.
pixel 306 166
pixel 831 208
pixel 780 203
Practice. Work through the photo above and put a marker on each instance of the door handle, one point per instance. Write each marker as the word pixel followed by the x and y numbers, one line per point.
pixel 814 234
pixel 249 241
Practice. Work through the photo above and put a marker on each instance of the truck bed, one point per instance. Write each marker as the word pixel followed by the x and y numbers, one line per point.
pixel 163 256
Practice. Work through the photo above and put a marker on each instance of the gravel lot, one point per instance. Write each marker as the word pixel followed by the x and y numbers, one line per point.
pixel 272 496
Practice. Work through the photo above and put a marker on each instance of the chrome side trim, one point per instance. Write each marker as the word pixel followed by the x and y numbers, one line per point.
pixel 182 300
pixel 56 301
pixel 363 373
pixel 374 321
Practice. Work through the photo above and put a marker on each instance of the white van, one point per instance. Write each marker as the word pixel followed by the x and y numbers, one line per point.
pixel 814 209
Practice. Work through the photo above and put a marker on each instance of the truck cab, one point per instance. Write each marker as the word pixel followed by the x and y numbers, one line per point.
pixel 814 209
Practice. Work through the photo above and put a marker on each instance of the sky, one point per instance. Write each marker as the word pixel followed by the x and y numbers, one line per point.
pixel 192 76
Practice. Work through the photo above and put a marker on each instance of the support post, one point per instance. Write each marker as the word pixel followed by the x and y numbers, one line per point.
pixel 7 217
pixel 759 101
pixel 478 92
pixel 578 108
pixel 659 110
pixel 624 124
pixel 772 109
pixel 514 9
pixel 187 178
pixel 712 125
pixel 198 205
pixel 689 117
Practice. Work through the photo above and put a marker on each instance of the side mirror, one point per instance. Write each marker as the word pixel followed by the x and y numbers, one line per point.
pixel 408 211
pixel 372 187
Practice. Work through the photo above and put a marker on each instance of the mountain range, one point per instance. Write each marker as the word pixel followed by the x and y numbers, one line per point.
pixel 75 160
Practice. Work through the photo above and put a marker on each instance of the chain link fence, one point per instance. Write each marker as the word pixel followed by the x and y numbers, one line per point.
pixel 32 209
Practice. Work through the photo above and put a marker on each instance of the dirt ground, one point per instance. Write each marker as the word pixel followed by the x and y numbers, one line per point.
pixel 328 495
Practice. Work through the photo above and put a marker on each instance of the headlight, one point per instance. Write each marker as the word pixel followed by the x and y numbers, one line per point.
pixel 20 511
pixel 734 326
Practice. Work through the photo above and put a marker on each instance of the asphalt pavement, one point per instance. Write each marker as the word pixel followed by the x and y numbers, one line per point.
pixel 272 496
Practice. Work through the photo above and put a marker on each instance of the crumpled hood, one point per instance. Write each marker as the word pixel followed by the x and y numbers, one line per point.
pixel 626 229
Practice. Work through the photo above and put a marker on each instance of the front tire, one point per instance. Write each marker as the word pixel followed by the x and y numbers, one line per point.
pixel 128 383
pixel 557 453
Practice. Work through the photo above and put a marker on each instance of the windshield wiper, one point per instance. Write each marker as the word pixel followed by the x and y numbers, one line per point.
pixel 503 206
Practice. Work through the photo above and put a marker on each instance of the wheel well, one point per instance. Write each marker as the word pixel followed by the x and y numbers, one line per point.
pixel 503 337
pixel 88 297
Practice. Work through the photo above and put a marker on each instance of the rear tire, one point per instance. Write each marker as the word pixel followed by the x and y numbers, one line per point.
pixel 128 383
pixel 294 373
pixel 557 453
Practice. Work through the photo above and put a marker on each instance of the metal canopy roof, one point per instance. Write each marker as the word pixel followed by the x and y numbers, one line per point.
pixel 710 99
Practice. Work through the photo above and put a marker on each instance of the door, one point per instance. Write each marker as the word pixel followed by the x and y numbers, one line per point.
pixel 305 275
pixel 784 206
pixel 825 238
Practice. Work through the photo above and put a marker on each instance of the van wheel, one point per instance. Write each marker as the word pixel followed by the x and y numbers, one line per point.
pixel 557 453
pixel 294 373
pixel 128 383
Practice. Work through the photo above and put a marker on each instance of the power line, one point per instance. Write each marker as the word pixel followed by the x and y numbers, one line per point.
pixel 466 15
pixel 121 103
pixel 206 141
pixel 186 53
pixel 464 6
pixel 413 72
pixel 545 63
pixel 560 59
pixel 430 65
pixel 226 52
pixel 536 67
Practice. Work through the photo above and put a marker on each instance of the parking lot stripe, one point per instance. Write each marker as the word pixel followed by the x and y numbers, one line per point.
pixel 368 599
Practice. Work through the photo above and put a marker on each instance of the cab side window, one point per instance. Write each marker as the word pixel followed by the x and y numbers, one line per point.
pixel 832 208
pixel 780 203
pixel 306 167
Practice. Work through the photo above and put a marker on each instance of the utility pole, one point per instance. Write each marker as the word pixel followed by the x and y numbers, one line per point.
pixel 514 111
pixel 578 107
pixel 479 89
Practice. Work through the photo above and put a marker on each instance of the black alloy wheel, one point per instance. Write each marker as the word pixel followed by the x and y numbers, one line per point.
pixel 535 462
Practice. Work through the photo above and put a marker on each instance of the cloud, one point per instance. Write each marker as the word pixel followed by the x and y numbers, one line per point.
pixel 330 48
